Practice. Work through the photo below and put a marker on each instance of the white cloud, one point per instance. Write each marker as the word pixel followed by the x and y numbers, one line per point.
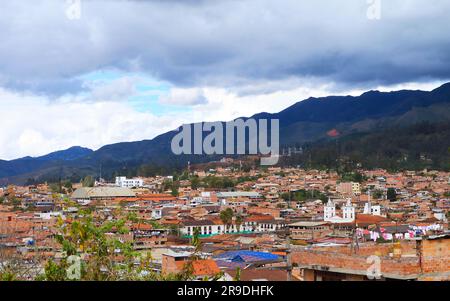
pixel 184 97
pixel 36 126
pixel 116 90
pixel 33 125
pixel 218 43
pixel 224 59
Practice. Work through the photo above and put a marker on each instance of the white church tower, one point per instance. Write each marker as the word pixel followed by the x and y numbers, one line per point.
pixel 348 211
pixel 329 211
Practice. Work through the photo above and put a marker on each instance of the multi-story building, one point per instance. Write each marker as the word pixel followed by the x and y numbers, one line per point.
pixel 349 188
pixel 308 230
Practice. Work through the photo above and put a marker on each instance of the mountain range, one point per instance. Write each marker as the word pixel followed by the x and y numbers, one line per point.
pixel 305 122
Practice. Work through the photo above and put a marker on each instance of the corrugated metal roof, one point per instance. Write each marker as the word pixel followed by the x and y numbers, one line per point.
pixel 236 194
pixel 307 224
pixel 247 256
pixel 102 192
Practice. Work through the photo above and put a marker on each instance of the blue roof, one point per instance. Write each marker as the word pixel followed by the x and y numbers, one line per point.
pixel 246 256
pixel 230 264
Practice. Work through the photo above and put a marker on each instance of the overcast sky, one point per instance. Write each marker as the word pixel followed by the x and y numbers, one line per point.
pixel 130 70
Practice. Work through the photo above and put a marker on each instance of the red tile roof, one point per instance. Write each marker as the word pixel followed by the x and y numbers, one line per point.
pixel 204 267
pixel 141 226
pixel 258 218
pixel 369 219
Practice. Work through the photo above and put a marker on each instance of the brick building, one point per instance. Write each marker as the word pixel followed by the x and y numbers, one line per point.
pixel 422 259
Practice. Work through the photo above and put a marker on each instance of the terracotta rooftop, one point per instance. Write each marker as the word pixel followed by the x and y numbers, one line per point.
pixel 362 219
pixel 204 267
pixel 256 218
pixel 141 226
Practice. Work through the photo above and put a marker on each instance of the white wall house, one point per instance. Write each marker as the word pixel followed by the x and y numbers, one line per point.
pixel 129 183
pixel 210 228
pixel 157 213
pixel 440 215
pixel 196 201
pixel 372 209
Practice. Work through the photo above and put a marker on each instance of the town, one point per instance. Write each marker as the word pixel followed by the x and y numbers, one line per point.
pixel 225 222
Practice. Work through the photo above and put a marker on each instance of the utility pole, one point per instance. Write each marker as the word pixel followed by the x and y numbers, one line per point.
pixel 354 244
pixel 60 178
pixel 289 203
pixel 289 259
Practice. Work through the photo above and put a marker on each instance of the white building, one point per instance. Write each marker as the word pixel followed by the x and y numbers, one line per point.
pixel 157 213
pixel 372 209
pixel 348 212
pixel 48 215
pixel 329 210
pixel 196 201
pixel 129 183
pixel 440 215
pixel 210 228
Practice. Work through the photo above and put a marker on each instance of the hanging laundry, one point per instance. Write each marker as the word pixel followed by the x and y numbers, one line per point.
pixel 374 235
pixel 359 232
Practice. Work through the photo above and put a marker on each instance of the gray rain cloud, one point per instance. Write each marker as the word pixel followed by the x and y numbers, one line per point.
pixel 230 44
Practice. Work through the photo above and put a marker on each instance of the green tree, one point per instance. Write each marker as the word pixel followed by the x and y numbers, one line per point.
pixel 8 276
pixel 227 216
pixel 195 182
pixel 304 195
pixel 218 182
pixel 187 273
pixel 88 181
pixel 68 186
pixel 84 237
pixel 132 216
pixel 237 277
pixel 16 203
pixel 353 177
pixel 55 272
pixel 89 239
pixel 239 220
pixel 175 188
pixel 196 239
pixel 55 187
pixel 174 230
pixel 391 195
pixel 377 194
